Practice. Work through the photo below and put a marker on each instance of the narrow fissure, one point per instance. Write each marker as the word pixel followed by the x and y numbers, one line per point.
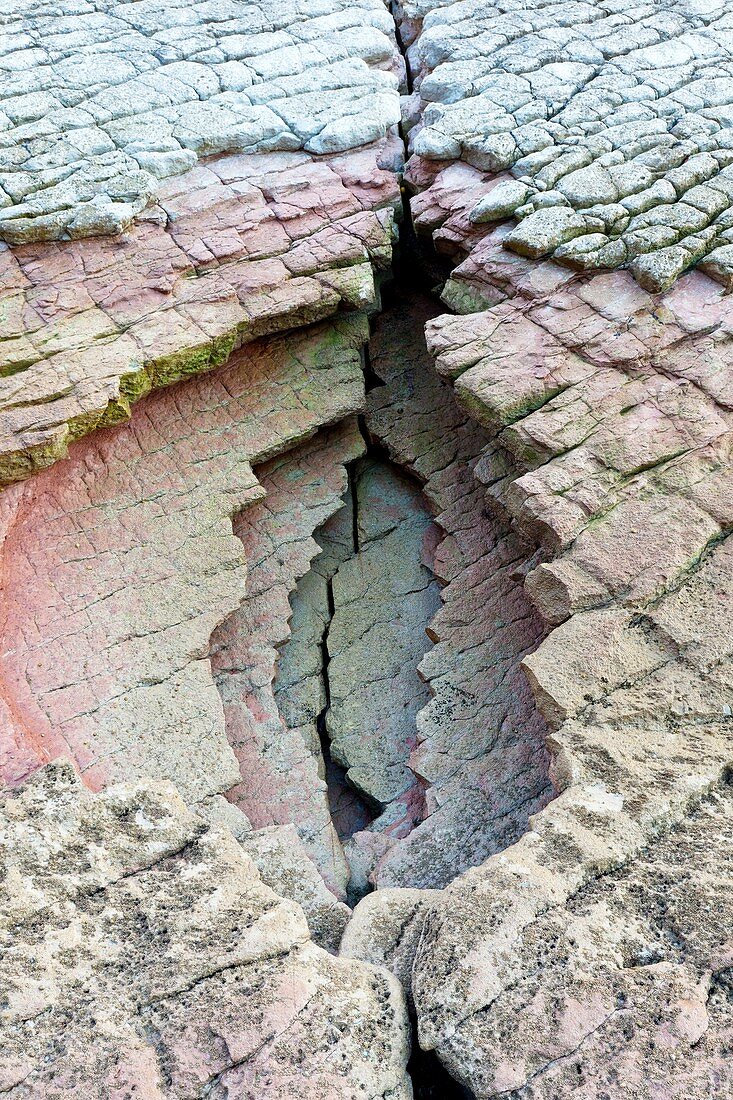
pixel 430 1079
pixel 349 811
pixel 401 670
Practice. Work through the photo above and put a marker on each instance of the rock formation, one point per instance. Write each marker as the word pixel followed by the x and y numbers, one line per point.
pixel 144 956
pixel 366 643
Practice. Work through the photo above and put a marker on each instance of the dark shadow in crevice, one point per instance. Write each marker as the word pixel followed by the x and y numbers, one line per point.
pixel 349 811
pixel 430 1079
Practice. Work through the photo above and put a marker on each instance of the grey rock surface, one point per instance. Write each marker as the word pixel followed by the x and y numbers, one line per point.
pixel 612 120
pixel 101 101
pixel 384 597
pixel 142 955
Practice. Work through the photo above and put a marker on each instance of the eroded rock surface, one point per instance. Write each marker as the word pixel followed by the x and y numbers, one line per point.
pixel 610 406
pixel 120 561
pixel 144 956
pixel 101 102
pixel 384 596
pixel 247 246
pixel 579 476
pixel 612 122
pixel 625 991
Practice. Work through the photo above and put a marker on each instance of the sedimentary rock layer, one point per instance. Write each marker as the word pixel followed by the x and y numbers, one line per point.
pixel 144 956
pixel 579 474
pixel 635 681
pixel 384 595
pixel 244 246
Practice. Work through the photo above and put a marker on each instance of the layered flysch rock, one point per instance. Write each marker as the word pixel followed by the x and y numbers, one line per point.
pixel 627 487
pixel 143 956
pixel 244 247
pixel 580 482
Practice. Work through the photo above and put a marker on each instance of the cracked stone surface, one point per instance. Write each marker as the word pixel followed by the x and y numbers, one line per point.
pixel 103 101
pixel 384 596
pixel 144 956
pixel 602 130
pixel 480 742
pixel 121 560
pixel 301 684
pixel 572 163
pixel 281 771
pixel 244 246
pixel 611 409
pixel 625 991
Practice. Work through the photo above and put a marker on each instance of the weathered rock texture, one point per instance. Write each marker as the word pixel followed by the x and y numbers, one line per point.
pixel 602 129
pixel 626 991
pixel 636 680
pixel 480 753
pixel 301 684
pixel 143 956
pixel 580 960
pixel 102 102
pixel 281 772
pixel 252 245
pixel 579 476
pixel 119 562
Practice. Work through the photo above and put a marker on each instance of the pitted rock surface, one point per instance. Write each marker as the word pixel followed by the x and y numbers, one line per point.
pixel 625 991
pixel 100 101
pixel 144 956
pixel 613 123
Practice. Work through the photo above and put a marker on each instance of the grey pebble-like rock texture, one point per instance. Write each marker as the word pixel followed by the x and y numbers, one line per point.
pixel 612 122
pixel 99 101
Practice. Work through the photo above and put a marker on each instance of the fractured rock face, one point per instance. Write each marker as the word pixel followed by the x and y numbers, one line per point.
pixel 99 105
pixel 301 686
pixel 611 407
pixel 611 121
pixel 572 451
pixel 144 956
pixel 120 562
pixel 624 991
pixel 281 774
pixel 480 741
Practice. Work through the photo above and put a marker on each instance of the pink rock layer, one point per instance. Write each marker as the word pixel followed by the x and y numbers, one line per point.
pixel 119 562
pixel 239 247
